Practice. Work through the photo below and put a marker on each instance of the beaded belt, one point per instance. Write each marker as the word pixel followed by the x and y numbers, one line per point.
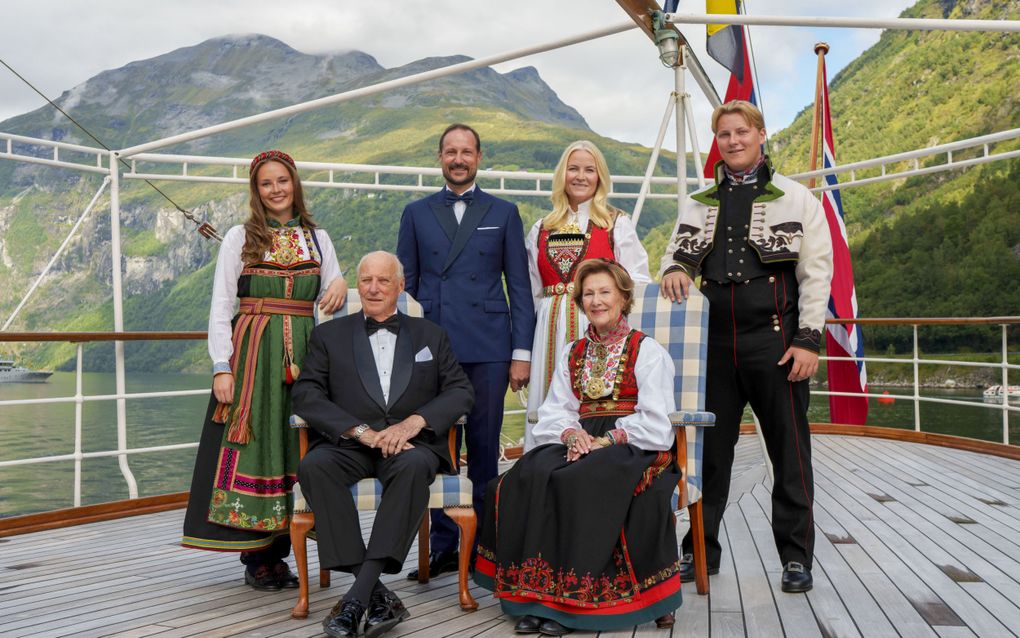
pixel 606 407
pixel 559 289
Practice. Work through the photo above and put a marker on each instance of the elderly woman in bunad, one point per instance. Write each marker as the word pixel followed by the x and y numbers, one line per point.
pixel 279 265
pixel 582 225
pixel 580 533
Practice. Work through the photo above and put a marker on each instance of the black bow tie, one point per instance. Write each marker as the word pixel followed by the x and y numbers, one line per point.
pixel 392 324
pixel 452 198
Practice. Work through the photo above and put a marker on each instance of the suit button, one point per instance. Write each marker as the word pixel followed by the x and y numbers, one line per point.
pixel 740 260
pixel 774 317
pixel 729 228
pixel 435 252
pixel 738 274
pixel 729 239
pixel 481 252
pixel 742 249
pixel 729 274
pixel 775 328
pixel 772 280
pixel 444 277
pixel 475 304
pixel 730 251
pixel 473 277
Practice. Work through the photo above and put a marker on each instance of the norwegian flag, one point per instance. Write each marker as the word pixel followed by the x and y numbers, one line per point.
pixel 841 340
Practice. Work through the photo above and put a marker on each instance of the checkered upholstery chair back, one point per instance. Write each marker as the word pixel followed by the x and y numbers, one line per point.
pixel 683 330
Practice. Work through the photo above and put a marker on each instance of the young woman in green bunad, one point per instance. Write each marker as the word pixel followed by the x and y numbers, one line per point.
pixel 270 274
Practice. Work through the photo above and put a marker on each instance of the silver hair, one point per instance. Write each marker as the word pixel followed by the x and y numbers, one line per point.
pixel 396 262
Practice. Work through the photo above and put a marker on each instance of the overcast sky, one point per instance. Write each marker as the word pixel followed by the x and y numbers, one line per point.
pixel 616 83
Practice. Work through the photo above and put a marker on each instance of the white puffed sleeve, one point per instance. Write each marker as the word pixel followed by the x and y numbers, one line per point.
pixel 329 267
pixel 649 427
pixel 224 298
pixel 629 252
pixel 560 409
pixel 531 244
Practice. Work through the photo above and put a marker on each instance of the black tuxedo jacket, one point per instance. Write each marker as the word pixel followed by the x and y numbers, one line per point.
pixel 338 387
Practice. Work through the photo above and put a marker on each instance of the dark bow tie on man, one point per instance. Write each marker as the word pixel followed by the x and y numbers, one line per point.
pixel 392 324
pixel 452 198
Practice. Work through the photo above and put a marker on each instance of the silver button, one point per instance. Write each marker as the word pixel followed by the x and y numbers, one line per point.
pixel 746 226
pixel 729 274
pixel 775 328
pixel 775 317
pixel 738 274
pixel 729 239
pixel 729 228
pixel 772 280
pixel 740 261
pixel 730 250
pixel 742 249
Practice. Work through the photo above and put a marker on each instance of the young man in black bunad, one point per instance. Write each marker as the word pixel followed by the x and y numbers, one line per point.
pixel 761 244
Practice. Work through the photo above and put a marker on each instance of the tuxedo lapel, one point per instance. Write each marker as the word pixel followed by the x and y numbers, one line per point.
pixel 364 363
pixel 403 361
pixel 472 217
pixel 444 215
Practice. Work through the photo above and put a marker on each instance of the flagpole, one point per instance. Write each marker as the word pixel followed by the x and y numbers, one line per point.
pixel 821 49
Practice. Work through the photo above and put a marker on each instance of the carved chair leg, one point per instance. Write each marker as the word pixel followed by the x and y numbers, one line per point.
pixel 423 549
pixel 467 521
pixel 300 525
pixel 700 558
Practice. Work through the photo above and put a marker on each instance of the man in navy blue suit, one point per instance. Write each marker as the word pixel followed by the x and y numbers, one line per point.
pixel 456 246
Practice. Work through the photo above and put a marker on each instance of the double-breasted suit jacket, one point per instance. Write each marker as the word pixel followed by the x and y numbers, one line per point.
pixel 455 271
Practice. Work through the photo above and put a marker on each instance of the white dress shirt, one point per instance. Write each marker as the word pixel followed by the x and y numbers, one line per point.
pixel 460 207
pixel 383 343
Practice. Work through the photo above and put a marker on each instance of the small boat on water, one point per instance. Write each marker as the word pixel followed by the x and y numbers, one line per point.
pixel 9 373
pixel 996 392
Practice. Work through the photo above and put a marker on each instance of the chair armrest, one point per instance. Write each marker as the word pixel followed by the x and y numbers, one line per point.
pixel 697 419
pixel 296 422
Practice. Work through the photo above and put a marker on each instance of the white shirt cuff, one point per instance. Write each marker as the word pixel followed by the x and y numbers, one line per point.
pixel 521 355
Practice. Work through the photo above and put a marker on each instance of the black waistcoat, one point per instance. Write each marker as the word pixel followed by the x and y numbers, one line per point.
pixel 732 258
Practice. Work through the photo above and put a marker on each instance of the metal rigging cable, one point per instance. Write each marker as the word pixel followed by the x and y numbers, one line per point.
pixel 204 229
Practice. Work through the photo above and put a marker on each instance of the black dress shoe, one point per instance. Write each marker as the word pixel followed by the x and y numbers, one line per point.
pixel 550 627
pixel 344 620
pixel 796 578
pixel 262 579
pixel 687 569
pixel 439 563
pixel 286 578
pixel 665 621
pixel 385 611
pixel 528 625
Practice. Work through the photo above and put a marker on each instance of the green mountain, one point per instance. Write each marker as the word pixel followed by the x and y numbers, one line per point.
pixel 939 245
pixel 943 244
pixel 168 268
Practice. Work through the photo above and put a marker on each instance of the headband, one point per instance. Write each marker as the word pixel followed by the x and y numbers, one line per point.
pixel 270 155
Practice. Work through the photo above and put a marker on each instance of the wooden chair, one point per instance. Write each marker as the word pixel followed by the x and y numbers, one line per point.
pixel 683 330
pixel 452 493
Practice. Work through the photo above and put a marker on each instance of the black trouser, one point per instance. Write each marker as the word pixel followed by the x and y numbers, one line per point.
pixel 326 474
pixel 750 327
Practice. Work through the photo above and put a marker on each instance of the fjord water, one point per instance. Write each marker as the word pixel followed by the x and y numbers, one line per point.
pixel 48 429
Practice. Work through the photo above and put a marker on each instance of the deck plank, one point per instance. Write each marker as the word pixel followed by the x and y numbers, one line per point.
pixel 910 540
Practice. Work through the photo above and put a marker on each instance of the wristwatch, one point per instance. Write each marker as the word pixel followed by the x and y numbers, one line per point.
pixel 359 430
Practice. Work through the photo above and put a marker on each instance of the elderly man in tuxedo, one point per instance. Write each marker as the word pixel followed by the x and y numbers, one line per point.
pixel 380 391
pixel 457 246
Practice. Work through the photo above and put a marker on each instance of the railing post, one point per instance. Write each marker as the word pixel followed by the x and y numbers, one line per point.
pixel 1005 387
pixel 78 401
pixel 118 324
pixel 917 383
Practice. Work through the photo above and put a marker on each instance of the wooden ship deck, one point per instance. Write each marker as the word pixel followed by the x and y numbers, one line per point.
pixel 912 540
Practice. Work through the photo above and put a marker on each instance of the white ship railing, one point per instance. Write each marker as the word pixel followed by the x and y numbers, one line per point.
pixel 64 155
pixel 122 451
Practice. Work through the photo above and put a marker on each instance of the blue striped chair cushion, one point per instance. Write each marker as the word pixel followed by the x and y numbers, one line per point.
pixel 683 330
pixel 445 491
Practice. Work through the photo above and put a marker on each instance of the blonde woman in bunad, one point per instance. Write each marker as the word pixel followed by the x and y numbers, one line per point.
pixel 278 265
pixel 582 225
